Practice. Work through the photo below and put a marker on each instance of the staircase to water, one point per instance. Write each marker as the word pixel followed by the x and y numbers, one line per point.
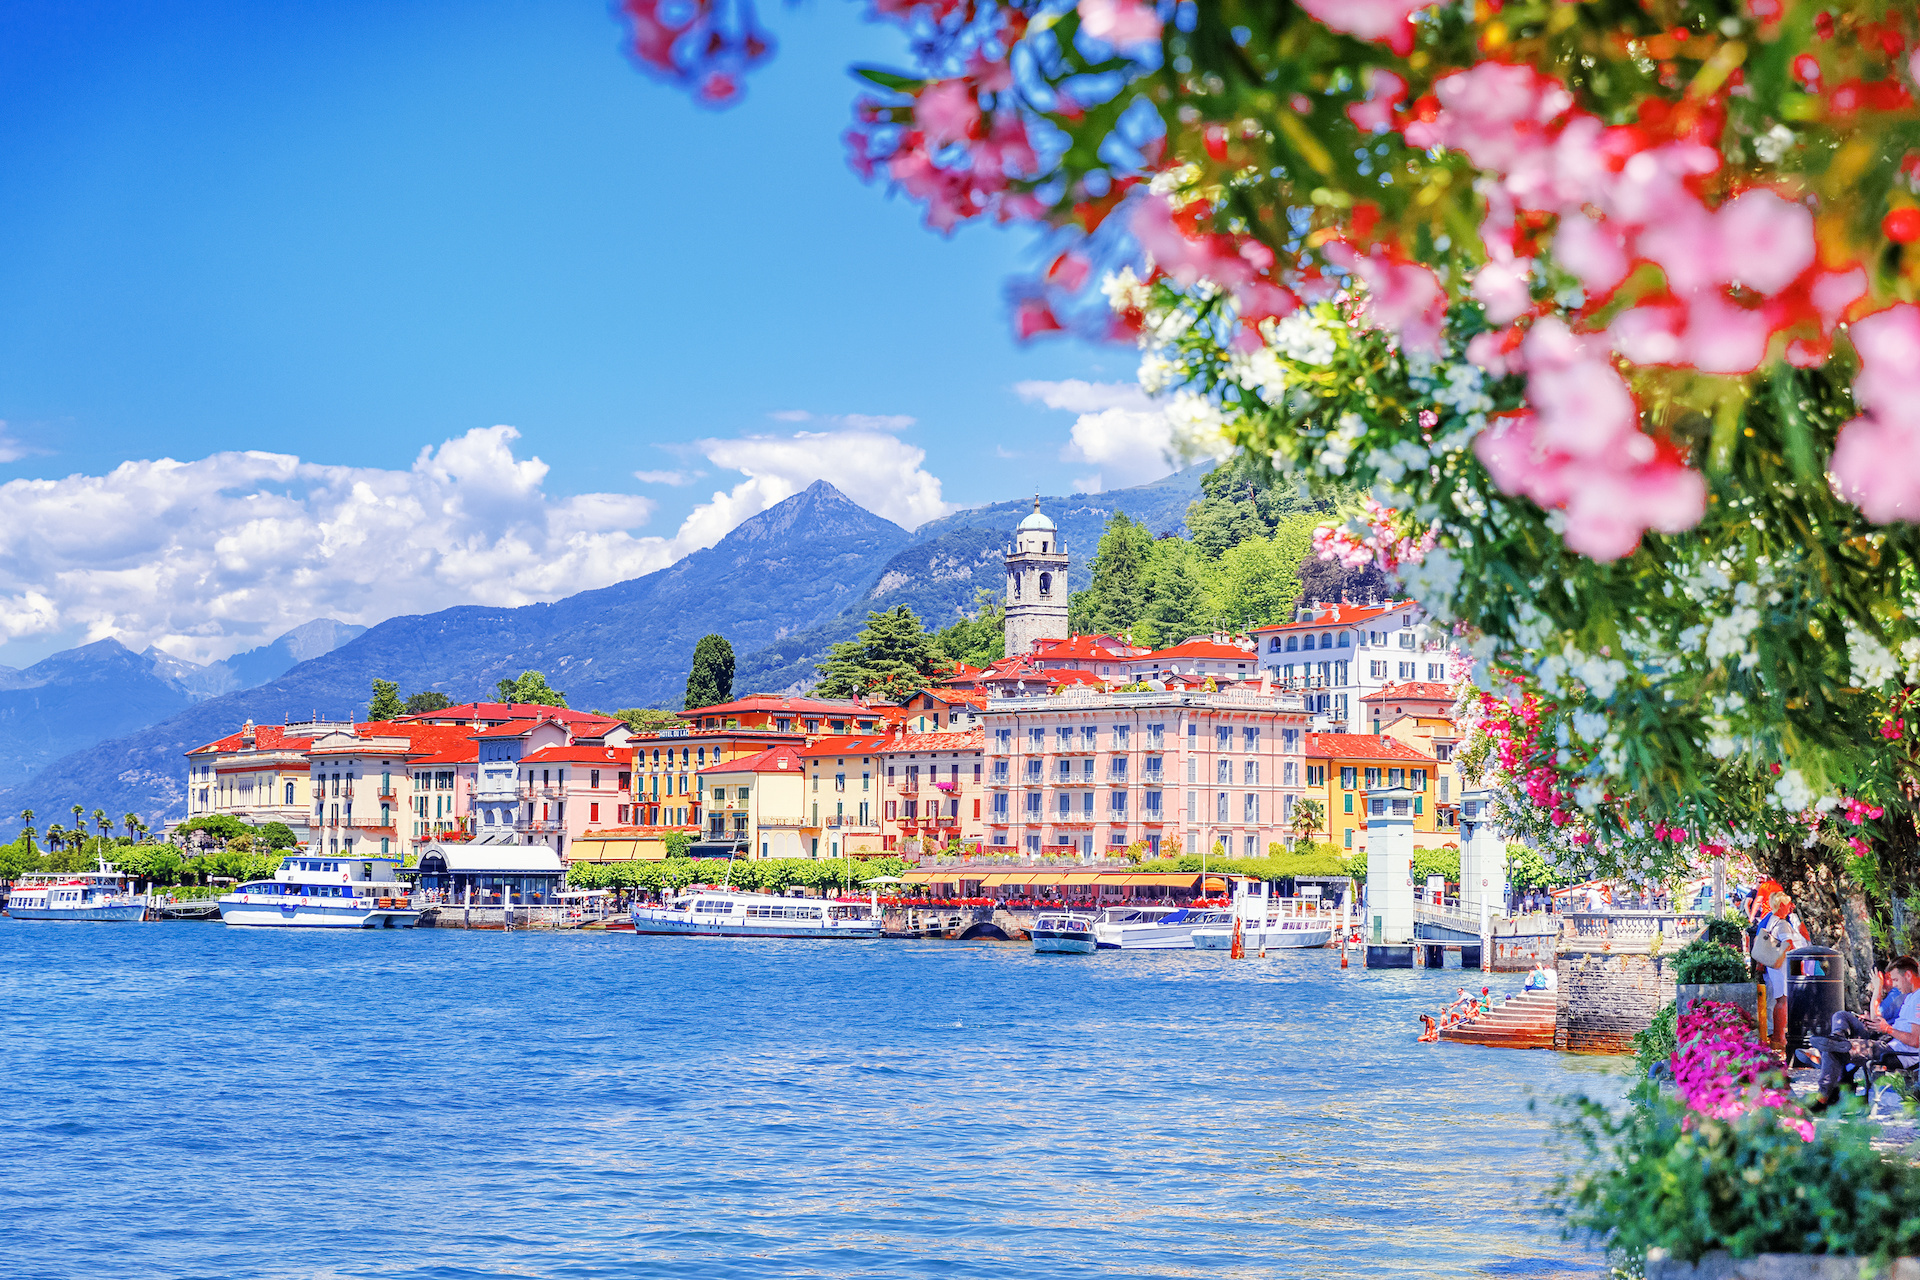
pixel 1525 1022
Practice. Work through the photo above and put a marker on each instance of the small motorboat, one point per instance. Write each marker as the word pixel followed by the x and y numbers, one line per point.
pixel 1267 921
pixel 1071 934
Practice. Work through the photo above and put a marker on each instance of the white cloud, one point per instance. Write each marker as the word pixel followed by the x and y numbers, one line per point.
pixel 209 557
pixel 668 477
pixel 878 470
pixel 11 450
pixel 1122 431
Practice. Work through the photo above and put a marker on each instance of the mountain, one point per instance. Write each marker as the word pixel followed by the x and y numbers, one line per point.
pixel 955 557
pixel 625 645
pixel 308 640
pixel 80 696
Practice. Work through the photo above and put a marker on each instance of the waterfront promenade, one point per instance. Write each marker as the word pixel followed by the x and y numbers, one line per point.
pixel 200 1102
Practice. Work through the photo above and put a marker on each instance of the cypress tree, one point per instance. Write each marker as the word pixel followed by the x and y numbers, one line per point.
pixel 710 682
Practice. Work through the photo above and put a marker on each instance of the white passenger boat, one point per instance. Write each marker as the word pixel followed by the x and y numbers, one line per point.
pixel 1152 928
pixel 315 891
pixel 101 895
pixel 728 913
pixel 1069 933
pixel 1267 922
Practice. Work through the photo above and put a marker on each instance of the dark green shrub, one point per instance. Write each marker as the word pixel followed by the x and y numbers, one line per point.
pixel 1705 961
pixel 1730 931
pixel 1659 1175
pixel 1654 1046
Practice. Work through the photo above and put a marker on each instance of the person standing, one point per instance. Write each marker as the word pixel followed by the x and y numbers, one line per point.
pixel 1782 925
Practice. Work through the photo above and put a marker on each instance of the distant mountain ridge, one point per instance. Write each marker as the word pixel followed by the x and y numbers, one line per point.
pixel 782 587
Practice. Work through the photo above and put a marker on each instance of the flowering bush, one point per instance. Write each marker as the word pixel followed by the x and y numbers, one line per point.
pixel 1722 1069
pixel 1608 309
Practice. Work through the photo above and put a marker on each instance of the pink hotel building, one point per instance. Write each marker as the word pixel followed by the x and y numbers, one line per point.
pixel 1084 771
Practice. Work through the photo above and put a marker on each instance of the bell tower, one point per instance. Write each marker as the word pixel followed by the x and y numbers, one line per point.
pixel 1036 584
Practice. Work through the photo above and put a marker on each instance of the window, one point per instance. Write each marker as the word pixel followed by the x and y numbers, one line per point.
pixel 1293 643
pixel 1063 804
pixel 1121 735
pixel 1003 741
pixel 1193 733
pixel 1316 775
pixel 593 813
pixel 1117 768
pixel 1349 799
pixel 1345 640
pixel 742 793
pixel 1273 644
pixel 1396 777
pixel 1089 737
pixel 1250 773
pixel 1289 774
pixel 1220 807
pixel 1418 805
pixel 1033 804
pixel 1033 769
pixel 976 772
pixel 1193 813
pixel 1444 780
pixel 1086 804
pixel 1065 735
pixel 626 780
pixel 1116 803
pixel 1290 740
pixel 1349 835
pixel 1064 770
pixel 866 782
pixel 1437 672
pixel 1193 769
pixel 1377 670
pixel 1373 779
pixel 1223 771
pixel 1443 751
pixel 1153 806
pixel 1250 807
pixel 1406 639
pixel 1406 670
pixel 1249 739
pixel 1222 738
pixel 1036 739
pixel 1000 806
pixel 1156 737
pixel 1250 846
pixel 1417 779
pixel 893 810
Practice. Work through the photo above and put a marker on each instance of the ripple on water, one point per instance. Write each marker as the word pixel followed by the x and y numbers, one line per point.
pixel 191 1101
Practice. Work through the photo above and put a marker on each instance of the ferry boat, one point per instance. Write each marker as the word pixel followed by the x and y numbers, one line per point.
pixel 1068 934
pixel 1268 921
pixel 100 895
pixel 728 913
pixel 315 891
pixel 1153 928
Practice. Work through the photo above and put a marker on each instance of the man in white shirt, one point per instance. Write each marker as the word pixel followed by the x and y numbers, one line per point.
pixel 1904 1030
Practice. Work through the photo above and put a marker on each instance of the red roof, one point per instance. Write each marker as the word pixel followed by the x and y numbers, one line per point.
pixel 838 745
pixel 514 728
pixel 1412 691
pixel 1202 649
pixel 437 744
pixel 266 737
pixel 579 753
pixel 780 759
pixel 775 704
pixel 1099 648
pixel 967 740
pixel 1362 746
pixel 1337 615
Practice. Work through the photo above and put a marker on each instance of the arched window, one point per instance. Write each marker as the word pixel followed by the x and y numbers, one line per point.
pixel 1043 548
pixel 289 793
pixel 1013 586
pixel 1046 584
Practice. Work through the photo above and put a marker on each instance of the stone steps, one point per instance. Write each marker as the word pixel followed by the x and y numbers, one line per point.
pixel 1523 1023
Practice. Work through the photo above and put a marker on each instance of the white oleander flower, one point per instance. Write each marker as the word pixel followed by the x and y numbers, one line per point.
pixel 1262 373
pixel 1301 337
pixel 1123 290
pixel 1157 373
pixel 1792 792
pixel 1873 663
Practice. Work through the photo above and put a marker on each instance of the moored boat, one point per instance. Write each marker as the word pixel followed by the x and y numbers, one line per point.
pixel 99 896
pixel 1153 928
pixel 1267 922
pixel 729 913
pixel 311 891
pixel 1065 934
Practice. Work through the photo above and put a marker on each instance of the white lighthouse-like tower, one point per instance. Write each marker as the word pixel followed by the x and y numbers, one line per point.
pixel 1036 584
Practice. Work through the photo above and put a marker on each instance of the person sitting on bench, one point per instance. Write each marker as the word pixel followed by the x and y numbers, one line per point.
pixel 1902 1047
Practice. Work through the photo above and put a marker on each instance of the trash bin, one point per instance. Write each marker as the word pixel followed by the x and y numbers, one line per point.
pixel 1813 994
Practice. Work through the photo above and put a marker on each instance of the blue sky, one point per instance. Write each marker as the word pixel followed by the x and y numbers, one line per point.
pixel 350 232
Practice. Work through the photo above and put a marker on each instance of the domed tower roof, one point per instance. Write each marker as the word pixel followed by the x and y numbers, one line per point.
pixel 1037 520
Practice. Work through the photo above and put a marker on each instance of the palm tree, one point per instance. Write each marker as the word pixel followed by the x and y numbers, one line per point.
pixel 1307 817
pixel 131 822
pixel 56 837
pixel 100 823
pixel 26 827
pixel 79 811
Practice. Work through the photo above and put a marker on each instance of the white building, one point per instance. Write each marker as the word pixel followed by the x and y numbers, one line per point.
pixel 1334 655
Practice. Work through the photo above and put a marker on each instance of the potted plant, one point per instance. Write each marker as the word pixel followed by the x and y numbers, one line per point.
pixel 1712 967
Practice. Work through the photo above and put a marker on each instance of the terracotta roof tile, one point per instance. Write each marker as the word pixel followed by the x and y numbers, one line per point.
pixel 1362 746
pixel 1412 691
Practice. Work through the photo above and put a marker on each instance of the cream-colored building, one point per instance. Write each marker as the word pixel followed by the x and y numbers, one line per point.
pixel 757 801
pixel 258 774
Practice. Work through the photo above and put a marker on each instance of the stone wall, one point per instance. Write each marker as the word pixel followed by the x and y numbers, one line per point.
pixel 1605 997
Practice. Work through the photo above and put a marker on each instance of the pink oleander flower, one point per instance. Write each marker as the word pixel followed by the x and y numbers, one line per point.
pixel 1876 462
pixel 1389 22
pixel 946 111
pixel 1384 91
pixel 1120 22
pixel 1404 297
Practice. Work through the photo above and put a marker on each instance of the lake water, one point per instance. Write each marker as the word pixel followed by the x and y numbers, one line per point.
pixel 191 1100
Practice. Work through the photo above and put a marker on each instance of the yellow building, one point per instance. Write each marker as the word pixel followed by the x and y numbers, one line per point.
pixel 757 801
pixel 1343 767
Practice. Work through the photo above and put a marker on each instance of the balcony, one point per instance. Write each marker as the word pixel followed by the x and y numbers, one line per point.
pixel 537 825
